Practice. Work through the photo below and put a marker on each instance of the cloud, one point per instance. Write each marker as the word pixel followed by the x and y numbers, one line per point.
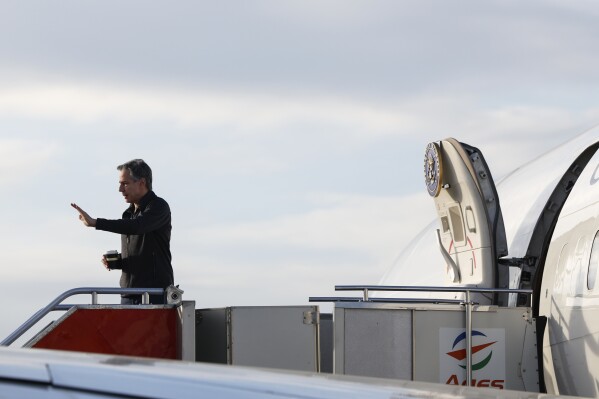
pixel 83 102
pixel 342 240
pixel 369 225
pixel 20 159
pixel 262 112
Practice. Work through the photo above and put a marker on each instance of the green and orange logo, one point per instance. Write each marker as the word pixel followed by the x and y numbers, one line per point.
pixel 460 354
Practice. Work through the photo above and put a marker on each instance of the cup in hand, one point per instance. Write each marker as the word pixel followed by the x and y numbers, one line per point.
pixel 113 258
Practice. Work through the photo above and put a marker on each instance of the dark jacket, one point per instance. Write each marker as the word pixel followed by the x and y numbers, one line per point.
pixel 145 243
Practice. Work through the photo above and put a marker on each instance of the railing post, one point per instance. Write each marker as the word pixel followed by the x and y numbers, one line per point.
pixel 468 339
pixel 94 298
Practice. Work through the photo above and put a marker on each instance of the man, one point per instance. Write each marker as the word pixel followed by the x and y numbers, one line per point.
pixel 145 233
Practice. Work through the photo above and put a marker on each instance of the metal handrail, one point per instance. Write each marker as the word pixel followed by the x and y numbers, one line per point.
pixel 334 299
pixel 367 288
pixel 94 291
pixel 384 300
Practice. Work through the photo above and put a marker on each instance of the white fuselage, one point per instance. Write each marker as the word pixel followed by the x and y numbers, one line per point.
pixel 569 295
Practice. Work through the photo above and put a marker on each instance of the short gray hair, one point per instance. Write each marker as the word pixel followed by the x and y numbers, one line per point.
pixel 138 169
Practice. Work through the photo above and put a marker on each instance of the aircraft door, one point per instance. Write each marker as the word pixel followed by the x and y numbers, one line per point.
pixel 471 231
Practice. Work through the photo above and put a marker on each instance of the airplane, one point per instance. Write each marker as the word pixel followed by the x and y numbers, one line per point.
pixel 544 215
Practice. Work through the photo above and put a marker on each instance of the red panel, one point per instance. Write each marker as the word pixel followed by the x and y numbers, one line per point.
pixel 134 332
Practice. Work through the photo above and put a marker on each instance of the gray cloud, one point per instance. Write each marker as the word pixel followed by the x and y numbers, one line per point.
pixel 380 49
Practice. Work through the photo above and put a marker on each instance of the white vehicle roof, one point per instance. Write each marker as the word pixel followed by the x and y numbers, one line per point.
pixel 55 374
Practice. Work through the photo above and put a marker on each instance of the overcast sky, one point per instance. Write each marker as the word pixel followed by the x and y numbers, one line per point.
pixel 287 136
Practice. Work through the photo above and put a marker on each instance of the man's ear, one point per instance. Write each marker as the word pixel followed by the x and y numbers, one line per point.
pixel 144 182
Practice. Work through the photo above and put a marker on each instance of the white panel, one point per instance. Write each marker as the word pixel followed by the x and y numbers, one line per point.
pixel 187 317
pixel 378 343
pixel 275 337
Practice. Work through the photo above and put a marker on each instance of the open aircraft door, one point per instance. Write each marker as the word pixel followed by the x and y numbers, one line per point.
pixel 471 234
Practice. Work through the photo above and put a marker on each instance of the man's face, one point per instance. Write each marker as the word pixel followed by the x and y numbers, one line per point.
pixel 132 190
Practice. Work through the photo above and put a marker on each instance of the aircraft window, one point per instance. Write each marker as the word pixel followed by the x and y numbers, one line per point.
pixel 593 263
